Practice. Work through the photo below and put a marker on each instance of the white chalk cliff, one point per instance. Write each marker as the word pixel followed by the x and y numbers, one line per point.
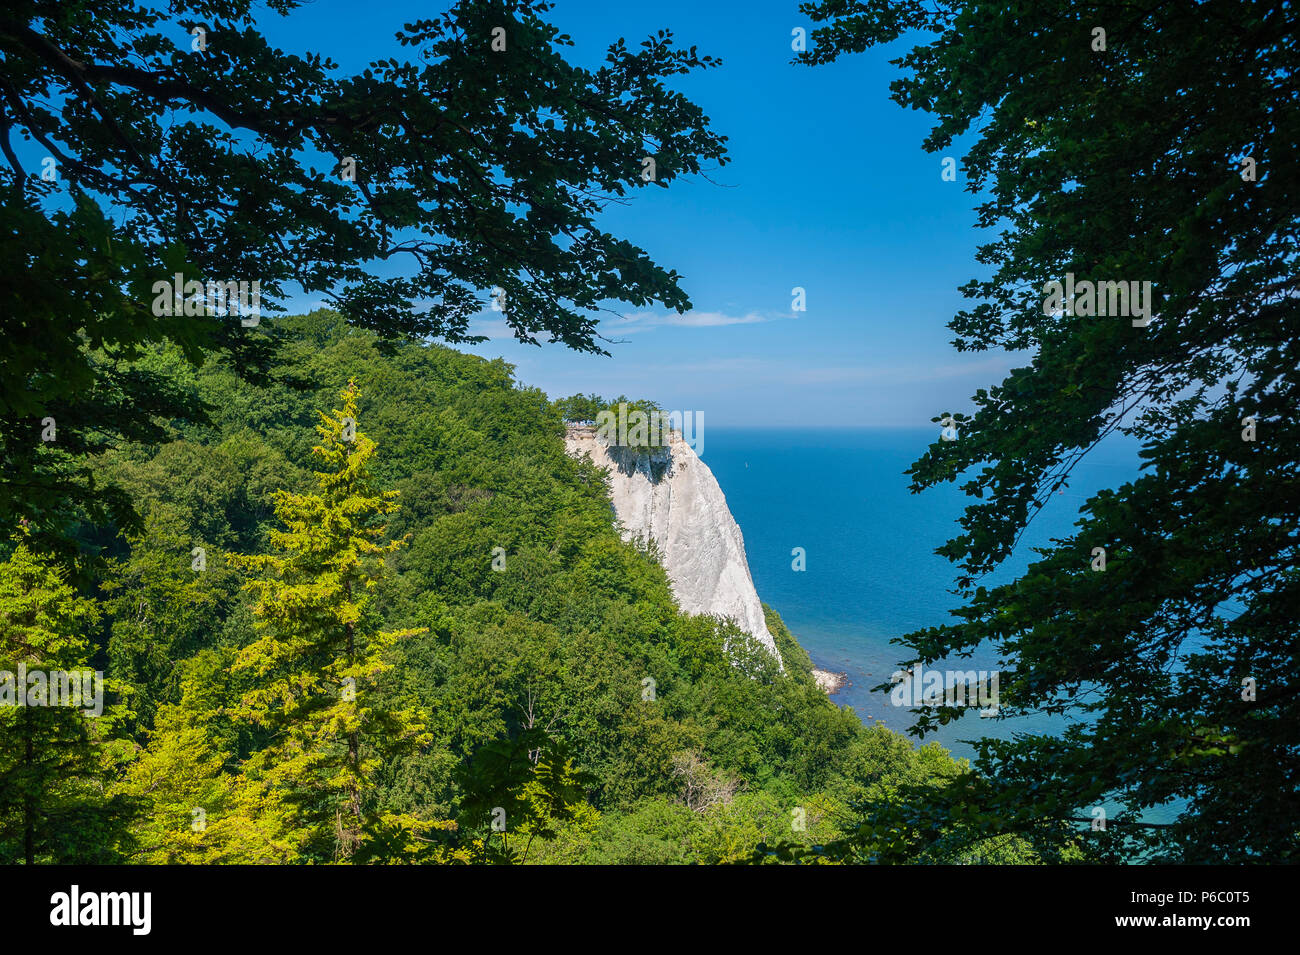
pixel 671 497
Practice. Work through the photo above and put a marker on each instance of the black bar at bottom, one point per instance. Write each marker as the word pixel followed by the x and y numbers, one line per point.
pixel 943 904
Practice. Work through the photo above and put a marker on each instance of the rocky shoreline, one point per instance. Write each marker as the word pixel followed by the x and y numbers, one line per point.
pixel 829 681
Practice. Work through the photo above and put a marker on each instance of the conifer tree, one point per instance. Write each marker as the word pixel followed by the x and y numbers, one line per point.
pixel 195 807
pixel 52 759
pixel 314 666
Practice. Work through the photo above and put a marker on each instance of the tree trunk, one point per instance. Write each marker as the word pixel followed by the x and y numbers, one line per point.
pixel 29 798
pixel 354 754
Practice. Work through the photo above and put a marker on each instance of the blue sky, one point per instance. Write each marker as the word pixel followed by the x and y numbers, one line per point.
pixel 827 189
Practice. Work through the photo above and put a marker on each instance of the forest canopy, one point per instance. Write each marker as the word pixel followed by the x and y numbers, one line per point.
pixel 516 684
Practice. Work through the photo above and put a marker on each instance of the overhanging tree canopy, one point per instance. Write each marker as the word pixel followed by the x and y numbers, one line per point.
pixel 179 140
pixel 1162 151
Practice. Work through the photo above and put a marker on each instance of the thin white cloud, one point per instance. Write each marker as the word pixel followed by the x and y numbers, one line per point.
pixel 497 329
pixel 712 319
pixel 640 321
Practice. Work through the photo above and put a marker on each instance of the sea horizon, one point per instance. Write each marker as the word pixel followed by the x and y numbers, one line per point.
pixel 871 572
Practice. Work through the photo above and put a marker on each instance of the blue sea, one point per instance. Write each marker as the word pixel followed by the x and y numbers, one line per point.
pixel 872 574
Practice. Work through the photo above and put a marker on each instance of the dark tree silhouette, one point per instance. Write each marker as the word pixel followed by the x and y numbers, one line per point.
pixel 1163 150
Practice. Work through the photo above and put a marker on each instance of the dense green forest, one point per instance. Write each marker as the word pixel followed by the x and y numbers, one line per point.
pixel 353 601
pixel 523 687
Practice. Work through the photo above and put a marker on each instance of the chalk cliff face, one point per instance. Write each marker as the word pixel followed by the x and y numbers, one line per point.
pixel 672 498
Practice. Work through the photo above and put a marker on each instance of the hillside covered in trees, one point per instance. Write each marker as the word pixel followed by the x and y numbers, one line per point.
pixel 517 683
pixel 352 601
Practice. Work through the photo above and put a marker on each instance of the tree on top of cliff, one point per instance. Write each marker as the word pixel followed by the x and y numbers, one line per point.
pixel 141 141
pixel 580 408
pixel 1129 144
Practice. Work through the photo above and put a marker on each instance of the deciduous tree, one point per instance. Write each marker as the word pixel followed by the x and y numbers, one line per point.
pixel 1165 154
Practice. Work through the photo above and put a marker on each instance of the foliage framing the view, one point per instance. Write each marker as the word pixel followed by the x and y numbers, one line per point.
pixel 1118 160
